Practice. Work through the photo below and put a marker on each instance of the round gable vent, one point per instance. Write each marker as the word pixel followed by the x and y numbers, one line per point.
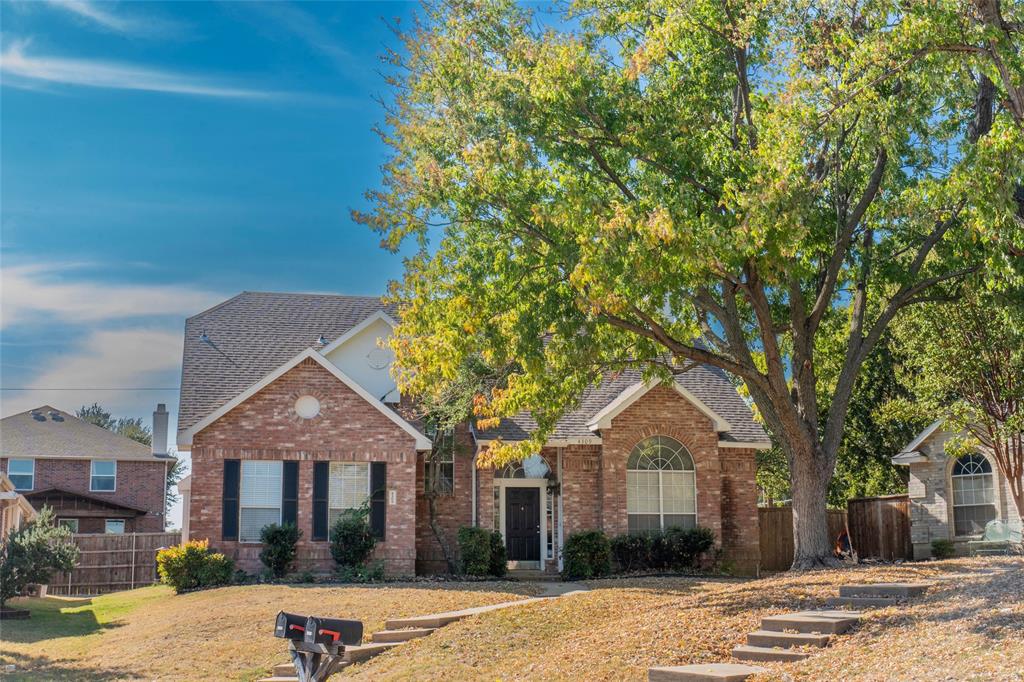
pixel 307 407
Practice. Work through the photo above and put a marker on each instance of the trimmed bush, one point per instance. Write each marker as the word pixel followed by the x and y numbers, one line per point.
pixel 499 556
pixel 369 573
pixel 279 543
pixel 943 549
pixel 587 554
pixel 352 541
pixel 632 552
pixel 677 548
pixel 475 550
pixel 192 565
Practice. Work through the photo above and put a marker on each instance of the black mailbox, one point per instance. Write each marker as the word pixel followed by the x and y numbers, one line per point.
pixel 290 626
pixel 333 631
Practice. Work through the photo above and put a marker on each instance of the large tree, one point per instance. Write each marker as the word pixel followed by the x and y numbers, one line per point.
pixel 659 184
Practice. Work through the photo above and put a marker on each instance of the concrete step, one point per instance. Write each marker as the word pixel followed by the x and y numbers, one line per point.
pixel 401 635
pixel 281 678
pixel 760 653
pixel 785 640
pixel 284 670
pixel 713 672
pixel 901 590
pixel 364 652
pixel 863 602
pixel 801 622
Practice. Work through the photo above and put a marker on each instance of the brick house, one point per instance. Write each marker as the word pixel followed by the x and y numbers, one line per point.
pixel 97 481
pixel 952 495
pixel 290 413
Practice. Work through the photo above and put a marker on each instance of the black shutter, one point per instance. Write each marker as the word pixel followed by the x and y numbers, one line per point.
pixel 229 508
pixel 290 493
pixel 378 498
pixel 321 472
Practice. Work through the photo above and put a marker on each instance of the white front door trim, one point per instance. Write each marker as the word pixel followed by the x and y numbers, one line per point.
pixel 541 484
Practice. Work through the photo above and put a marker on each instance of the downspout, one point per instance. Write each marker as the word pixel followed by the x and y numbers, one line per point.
pixel 474 485
pixel 561 525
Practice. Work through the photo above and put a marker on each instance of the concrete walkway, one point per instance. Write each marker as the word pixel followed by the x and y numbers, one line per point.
pixel 562 589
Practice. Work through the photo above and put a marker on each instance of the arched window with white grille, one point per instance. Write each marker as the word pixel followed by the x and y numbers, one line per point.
pixel 661 486
pixel 974 502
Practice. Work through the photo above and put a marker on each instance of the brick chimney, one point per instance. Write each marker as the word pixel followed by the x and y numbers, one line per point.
pixel 160 430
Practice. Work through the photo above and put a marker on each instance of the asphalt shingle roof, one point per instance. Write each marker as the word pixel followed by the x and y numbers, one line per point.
pixel 709 384
pixel 51 433
pixel 253 334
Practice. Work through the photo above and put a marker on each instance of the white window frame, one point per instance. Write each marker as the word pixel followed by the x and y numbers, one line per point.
pixel 331 482
pixel 661 485
pixel 241 496
pixel 70 523
pixel 93 475
pixel 953 479
pixel 106 526
pixel 33 474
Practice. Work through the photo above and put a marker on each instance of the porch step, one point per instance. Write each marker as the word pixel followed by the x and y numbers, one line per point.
pixel 785 640
pixel 364 652
pixel 280 678
pixel 437 620
pixel 899 590
pixel 284 670
pixel 533 575
pixel 760 653
pixel 400 635
pixel 863 602
pixel 714 672
pixel 802 622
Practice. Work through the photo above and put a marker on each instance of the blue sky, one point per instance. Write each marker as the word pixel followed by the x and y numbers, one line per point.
pixel 158 158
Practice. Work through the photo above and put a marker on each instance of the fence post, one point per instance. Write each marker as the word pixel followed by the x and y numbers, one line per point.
pixel 132 584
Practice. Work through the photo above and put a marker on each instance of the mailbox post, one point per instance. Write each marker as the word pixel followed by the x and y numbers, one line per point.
pixel 317 645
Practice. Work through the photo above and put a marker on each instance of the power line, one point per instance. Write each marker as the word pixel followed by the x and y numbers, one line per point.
pixel 129 388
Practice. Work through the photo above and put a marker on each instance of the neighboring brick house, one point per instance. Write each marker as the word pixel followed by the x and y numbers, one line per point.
pixel 97 481
pixel 291 414
pixel 952 497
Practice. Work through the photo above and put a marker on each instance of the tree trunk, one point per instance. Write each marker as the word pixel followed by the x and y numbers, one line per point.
pixel 809 479
pixel 438 531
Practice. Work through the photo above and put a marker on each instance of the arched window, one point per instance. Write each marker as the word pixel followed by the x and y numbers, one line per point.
pixel 661 489
pixel 973 494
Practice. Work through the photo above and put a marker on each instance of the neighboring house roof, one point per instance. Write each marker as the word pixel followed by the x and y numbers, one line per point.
pixel 185 436
pixel 49 433
pixel 911 454
pixel 55 497
pixel 708 387
pixel 253 334
pixel 11 497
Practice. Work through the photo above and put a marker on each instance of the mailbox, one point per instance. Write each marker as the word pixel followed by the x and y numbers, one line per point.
pixel 290 626
pixel 333 631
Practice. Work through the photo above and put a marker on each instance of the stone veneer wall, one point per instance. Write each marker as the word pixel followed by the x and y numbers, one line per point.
pixel 347 429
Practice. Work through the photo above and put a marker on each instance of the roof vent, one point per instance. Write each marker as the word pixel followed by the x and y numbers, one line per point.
pixel 322 340
pixel 56 416
pixel 38 416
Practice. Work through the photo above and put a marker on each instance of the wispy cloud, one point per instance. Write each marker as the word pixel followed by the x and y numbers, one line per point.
pixel 306 27
pixel 103 16
pixel 34 293
pixel 16 63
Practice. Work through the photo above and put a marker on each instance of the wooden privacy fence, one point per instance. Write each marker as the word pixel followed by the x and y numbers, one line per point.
pixel 880 527
pixel 109 563
pixel 776 528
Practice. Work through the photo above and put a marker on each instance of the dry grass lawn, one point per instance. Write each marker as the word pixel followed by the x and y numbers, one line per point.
pixel 967 628
pixel 227 633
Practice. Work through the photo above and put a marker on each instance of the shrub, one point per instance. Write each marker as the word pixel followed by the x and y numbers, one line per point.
pixel 587 554
pixel 475 550
pixel 677 548
pixel 192 565
pixel 373 573
pixel 352 540
pixel 33 553
pixel 279 543
pixel 499 557
pixel 632 552
pixel 943 549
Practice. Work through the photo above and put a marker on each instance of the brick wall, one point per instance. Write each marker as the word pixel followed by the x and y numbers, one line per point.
pixel 138 484
pixel 660 412
pixel 453 511
pixel 347 429
pixel 740 533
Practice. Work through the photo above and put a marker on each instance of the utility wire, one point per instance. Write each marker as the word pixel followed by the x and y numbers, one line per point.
pixel 129 388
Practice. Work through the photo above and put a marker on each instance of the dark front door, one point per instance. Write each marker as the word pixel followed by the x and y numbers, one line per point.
pixel 522 524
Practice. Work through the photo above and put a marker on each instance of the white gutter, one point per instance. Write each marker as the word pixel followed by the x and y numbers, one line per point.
pixel 474 486
pixel 561 526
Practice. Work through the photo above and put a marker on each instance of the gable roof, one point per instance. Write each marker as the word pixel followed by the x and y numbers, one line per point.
pixel 910 454
pixel 49 433
pixel 253 334
pixel 185 436
pixel 704 384
pixel 46 495
pixel 603 419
